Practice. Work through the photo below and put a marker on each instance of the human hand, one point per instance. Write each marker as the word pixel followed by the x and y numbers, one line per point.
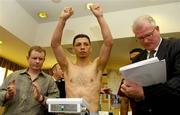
pixel 36 91
pixel 11 90
pixel 96 10
pixel 132 90
pixel 66 13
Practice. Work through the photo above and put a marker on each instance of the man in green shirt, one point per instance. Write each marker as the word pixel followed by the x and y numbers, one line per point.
pixel 24 92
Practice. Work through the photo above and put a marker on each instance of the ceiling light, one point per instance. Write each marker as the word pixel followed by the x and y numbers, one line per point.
pixel 88 5
pixel 42 14
pixel 0 42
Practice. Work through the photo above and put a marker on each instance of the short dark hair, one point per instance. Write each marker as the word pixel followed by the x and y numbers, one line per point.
pixel 81 36
pixel 136 50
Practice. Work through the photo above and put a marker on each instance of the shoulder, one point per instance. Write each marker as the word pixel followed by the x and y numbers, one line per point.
pixel 14 75
pixel 98 65
pixel 48 78
pixel 96 62
pixel 172 44
pixel 45 74
pixel 171 41
pixel 17 72
pixel 96 59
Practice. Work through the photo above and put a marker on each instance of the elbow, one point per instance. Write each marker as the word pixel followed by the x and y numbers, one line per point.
pixel 54 44
pixel 109 43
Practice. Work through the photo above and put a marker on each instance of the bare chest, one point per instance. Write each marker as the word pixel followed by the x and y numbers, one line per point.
pixel 83 76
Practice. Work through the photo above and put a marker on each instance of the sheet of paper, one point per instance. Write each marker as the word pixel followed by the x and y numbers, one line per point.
pixel 146 72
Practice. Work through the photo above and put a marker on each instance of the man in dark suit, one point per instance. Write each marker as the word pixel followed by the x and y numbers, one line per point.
pixel 59 79
pixel 161 98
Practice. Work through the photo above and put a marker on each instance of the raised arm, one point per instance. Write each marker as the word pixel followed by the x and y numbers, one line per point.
pixel 107 37
pixel 57 37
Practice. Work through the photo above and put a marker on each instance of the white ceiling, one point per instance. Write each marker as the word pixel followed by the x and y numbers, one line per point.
pixel 16 49
pixel 79 6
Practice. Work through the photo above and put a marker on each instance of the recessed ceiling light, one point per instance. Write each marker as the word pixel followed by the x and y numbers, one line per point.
pixel 42 14
pixel 0 42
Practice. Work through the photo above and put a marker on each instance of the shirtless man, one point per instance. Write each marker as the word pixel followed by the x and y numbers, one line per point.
pixel 82 78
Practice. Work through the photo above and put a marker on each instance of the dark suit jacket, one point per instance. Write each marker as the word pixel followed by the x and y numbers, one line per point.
pixel 61 86
pixel 163 98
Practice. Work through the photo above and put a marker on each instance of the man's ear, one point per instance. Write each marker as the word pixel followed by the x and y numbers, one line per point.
pixel 157 28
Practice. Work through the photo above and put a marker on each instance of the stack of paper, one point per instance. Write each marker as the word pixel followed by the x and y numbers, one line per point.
pixel 146 72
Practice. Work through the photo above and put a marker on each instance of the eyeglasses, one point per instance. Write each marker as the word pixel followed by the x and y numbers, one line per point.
pixel 148 35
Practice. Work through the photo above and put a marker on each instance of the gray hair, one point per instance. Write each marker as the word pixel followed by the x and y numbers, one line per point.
pixel 141 19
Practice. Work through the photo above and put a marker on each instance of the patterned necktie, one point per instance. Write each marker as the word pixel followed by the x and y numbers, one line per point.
pixel 151 54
